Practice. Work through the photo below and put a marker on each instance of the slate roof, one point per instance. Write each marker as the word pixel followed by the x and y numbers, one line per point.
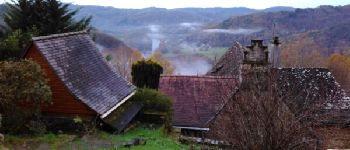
pixel 305 88
pixel 76 60
pixel 121 118
pixel 301 86
pixel 196 99
pixel 227 64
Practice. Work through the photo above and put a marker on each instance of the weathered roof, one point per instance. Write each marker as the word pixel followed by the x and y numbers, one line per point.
pixel 300 86
pixel 77 62
pixel 305 87
pixel 121 118
pixel 227 64
pixel 196 99
pixel 303 84
pixel 297 79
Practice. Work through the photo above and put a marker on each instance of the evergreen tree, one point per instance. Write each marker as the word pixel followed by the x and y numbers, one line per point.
pixel 47 16
pixel 146 74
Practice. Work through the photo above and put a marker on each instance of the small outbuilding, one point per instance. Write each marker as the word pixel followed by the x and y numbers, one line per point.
pixel 82 82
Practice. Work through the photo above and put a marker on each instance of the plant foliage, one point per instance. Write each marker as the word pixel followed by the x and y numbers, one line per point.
pixel 47 16
pixel 155 102
pixel 23 88
pixel 145 74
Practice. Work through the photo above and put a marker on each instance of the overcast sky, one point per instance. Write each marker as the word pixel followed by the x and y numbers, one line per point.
pixel 257 4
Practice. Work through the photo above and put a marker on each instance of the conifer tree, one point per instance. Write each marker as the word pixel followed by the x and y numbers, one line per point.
pixel 146 74
pixel 45 16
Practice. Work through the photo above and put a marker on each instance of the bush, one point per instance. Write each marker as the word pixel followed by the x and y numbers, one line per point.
pixel 146 74
pixel 155 102
pixel 23 88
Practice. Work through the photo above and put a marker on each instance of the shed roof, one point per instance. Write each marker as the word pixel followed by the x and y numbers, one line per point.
pixel 196 99
pixel 79 65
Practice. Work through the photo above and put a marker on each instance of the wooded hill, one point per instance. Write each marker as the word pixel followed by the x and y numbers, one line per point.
pixel 110 16
pixel 327 26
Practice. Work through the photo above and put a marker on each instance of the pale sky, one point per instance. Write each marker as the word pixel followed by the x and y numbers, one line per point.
pixel 257 4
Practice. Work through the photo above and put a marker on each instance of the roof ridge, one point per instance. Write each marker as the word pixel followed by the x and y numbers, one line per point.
pixel 201 76
pixel 58 35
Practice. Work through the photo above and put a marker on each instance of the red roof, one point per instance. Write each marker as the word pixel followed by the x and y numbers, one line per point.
pixel 196 99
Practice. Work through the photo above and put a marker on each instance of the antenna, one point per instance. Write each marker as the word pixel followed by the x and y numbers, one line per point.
pixel 273 30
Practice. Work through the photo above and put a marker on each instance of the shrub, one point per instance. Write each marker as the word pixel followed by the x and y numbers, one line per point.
pixel 155 102
pixel 23 88
pixel 145 74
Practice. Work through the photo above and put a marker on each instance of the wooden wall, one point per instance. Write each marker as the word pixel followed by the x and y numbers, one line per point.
pixel 63 102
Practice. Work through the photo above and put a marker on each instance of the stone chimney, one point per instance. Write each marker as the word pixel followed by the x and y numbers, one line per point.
pixel 275 53
pixel 256 54
pixel 254 71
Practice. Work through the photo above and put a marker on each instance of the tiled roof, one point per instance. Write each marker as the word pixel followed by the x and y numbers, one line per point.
pixel 196 99
pixel 307 84
pixel 121 118
pixel 78 63
pixel 228 63
pixel 304 86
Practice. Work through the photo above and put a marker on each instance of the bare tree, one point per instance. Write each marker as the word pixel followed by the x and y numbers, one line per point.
pixel 122 61
pixel 262 115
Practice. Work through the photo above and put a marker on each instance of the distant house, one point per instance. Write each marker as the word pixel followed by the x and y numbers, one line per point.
pixel 82 83
pixel 196 100
pixel 301 88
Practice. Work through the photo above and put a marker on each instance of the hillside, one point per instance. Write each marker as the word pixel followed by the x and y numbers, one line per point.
pixel 327 25
pixel 294 21
pixel 334 39
pixel 144 28
pixel 119 17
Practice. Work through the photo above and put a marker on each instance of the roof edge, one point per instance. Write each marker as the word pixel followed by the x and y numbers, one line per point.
pixel 192 128
pixel 199 76
pixel 58 35
pixel 116 106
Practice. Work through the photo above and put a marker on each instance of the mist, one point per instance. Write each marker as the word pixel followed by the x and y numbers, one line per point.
pixel 233 31
pixel 155 36
pixel 191 66
pixel 190 25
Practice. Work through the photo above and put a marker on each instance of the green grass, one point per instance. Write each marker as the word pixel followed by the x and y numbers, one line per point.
pixel 155 140
pixel 214 53
pixel 31 142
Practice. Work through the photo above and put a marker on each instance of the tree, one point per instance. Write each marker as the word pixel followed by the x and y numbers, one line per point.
pixel 47 16
pixel 27 18
pixel 146 74
pixel 168 67
pixel 262 116
pixel 339 65
pixel 23 89
pixel 303 52
pixel 10 46
pixel 122 59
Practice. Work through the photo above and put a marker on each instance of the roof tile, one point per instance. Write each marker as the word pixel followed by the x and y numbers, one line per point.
pixel 78 63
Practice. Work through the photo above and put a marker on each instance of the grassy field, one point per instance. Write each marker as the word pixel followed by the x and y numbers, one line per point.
pixel 211 53
pixel 155 140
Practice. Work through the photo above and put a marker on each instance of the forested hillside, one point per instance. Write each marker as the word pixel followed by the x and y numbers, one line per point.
pixel 326 25
pixel 146 16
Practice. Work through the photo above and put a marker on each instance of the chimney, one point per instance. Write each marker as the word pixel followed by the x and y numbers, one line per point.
pixel 275 53
pixel 256 54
